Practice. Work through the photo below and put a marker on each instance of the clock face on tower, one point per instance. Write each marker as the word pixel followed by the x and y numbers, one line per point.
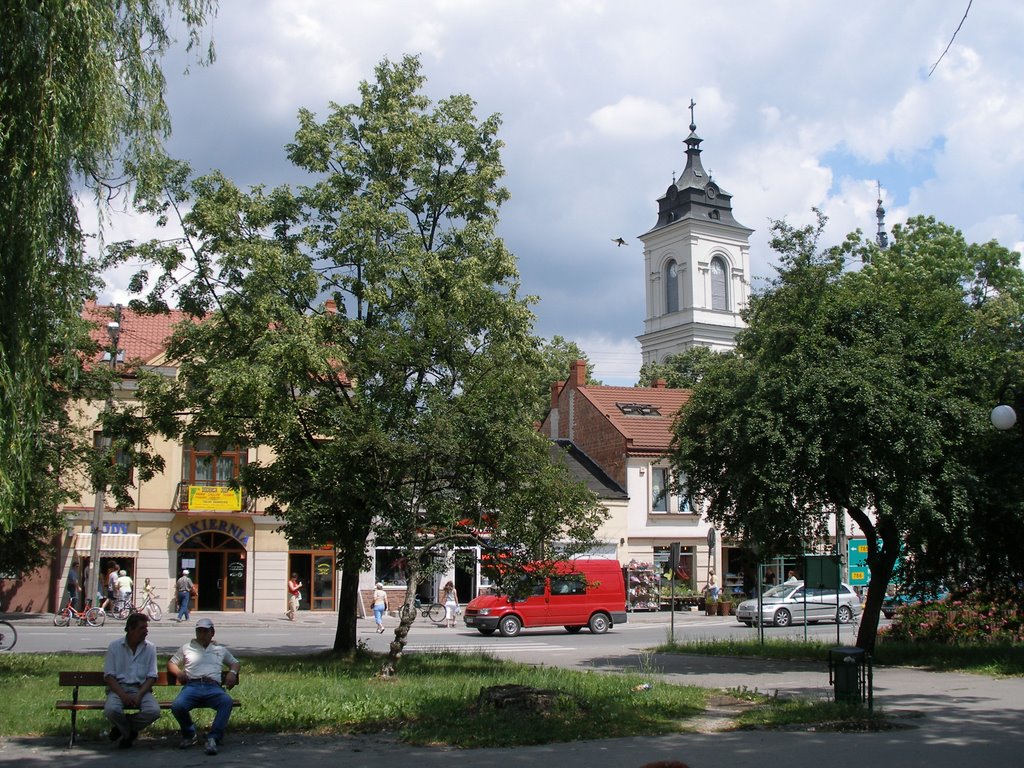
pixel 711 191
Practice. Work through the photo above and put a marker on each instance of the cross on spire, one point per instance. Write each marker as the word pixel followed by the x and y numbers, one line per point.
pixel 693 125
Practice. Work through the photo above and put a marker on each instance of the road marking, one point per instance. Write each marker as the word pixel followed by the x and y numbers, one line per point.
pixel 492 648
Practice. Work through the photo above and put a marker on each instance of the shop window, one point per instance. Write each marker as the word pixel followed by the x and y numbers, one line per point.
pixel 685 573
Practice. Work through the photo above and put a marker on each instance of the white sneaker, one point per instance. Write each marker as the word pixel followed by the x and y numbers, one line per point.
pixel 211 746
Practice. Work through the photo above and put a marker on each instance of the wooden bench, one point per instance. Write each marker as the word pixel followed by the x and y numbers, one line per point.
pixel 77 704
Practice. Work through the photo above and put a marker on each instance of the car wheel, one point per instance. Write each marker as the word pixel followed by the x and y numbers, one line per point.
pixel 845 614
pixel 572 629
pixel 599 623
pixel 782 618
pixel 509 626
pixel 485 630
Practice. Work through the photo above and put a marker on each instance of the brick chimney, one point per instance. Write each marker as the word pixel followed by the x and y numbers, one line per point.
pixel 578 373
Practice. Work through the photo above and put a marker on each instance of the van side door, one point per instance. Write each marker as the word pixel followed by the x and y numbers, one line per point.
pixel 569 604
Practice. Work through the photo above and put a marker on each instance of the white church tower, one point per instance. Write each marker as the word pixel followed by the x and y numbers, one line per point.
pixel 697 262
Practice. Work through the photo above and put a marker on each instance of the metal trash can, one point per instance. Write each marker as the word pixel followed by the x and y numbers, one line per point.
pixel 849 674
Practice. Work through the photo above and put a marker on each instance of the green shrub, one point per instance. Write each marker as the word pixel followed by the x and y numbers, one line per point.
pixel 963 619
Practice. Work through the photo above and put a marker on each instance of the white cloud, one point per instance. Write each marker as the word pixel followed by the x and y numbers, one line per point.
pixel 800 103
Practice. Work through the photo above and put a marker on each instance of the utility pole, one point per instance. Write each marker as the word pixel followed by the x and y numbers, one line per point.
pixel 92 585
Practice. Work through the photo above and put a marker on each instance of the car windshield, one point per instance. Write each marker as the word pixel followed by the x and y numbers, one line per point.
pixel 781 590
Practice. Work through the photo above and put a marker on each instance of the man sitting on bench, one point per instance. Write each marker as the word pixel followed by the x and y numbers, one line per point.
pixel 129 670
pixel 198 665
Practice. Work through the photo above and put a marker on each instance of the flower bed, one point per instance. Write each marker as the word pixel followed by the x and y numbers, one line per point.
pixel 968 619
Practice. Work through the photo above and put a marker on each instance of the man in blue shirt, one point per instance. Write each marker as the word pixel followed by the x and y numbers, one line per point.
pixel 129 671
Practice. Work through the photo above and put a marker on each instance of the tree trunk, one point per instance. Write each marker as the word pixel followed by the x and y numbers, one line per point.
pixel 881 562
pixel 348 605
pixel 406 616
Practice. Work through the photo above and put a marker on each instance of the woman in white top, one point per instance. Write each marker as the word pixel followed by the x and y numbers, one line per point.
pixel 380 604
pixel 450 598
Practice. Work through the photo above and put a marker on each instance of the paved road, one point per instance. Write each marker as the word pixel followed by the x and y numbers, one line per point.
pixel 952 721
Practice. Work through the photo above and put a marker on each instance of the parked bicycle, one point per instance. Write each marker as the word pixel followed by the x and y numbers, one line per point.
pixel 94 617
pixel 126 606
pixel 8 636
pixel 433 611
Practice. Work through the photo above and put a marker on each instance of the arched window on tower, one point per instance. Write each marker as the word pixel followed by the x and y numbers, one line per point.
pixel 719 285
pixel 671 287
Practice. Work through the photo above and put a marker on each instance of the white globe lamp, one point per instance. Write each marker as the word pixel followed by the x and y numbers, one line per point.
pixel 1003 417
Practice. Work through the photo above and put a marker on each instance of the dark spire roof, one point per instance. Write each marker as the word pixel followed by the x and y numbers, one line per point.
pixel 695 195
pixel 882 238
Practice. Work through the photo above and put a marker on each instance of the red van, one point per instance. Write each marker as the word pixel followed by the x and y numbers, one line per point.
pixel 581 593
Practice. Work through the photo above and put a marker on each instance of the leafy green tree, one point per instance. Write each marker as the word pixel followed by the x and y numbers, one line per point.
pixel 556 357
pixel 368 330
pixel 865 392
pixel 682 370
pixel 81 103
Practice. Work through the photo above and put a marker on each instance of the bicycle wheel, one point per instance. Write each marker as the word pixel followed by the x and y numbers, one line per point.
pixel 436 613
pixel 154 611
pixel 8 636
pixel 95 617
pixel 122 609
pixel 61 619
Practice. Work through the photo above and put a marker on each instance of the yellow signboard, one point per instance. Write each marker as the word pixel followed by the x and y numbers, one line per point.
pixel 214 498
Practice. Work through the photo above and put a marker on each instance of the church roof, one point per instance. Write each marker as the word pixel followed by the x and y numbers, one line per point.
pixel 695 196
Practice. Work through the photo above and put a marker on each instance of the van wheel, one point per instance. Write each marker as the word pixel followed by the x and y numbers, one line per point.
pixel 509 626
pixel 572 630
pixel 599 623
pixel 485 630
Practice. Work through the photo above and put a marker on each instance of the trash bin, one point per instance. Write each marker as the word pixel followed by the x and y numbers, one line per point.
pixel 849 673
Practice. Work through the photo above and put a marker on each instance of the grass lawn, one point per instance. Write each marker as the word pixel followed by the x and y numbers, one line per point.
pixel 994 660
pixel 432 701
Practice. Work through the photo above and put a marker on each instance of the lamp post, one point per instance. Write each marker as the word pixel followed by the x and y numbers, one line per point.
pixel 92 585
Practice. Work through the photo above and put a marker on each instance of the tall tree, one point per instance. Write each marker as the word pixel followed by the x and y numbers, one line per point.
pixel 681 370
pixel 556 357
pixel 81 103
pixel 865 392
pixel 368 329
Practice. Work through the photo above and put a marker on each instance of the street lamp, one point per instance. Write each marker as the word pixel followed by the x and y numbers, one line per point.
pixel 92 585
pixel 1003 417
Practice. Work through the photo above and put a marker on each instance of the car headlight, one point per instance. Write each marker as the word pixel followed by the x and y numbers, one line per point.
pixel 484 612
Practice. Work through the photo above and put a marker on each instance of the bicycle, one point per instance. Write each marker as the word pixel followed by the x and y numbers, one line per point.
pixel 434 611
pixel 94 617
pixel 8 636
pixel 124 607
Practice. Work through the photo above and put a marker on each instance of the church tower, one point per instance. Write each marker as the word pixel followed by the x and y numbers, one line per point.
pixel 697 263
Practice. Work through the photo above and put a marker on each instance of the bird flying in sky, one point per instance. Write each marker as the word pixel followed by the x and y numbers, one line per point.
pixel 618 241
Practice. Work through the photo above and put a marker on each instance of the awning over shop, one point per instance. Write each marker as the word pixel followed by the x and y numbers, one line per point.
pixel 110 543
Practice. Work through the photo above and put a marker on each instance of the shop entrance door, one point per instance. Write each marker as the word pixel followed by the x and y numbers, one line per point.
pixel 218 563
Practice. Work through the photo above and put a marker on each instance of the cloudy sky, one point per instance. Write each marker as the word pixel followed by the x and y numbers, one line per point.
pixel 801 104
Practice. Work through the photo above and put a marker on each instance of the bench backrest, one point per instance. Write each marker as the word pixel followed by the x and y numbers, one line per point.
pixel 96 678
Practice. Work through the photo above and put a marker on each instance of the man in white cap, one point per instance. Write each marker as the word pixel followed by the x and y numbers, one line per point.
pixel 199 667
pixel 184 588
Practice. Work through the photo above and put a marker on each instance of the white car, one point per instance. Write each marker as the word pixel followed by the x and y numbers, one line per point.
pixel 791 603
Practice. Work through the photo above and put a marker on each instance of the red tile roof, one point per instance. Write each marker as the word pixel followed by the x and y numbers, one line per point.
pixel 143 337
pixel 645 434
